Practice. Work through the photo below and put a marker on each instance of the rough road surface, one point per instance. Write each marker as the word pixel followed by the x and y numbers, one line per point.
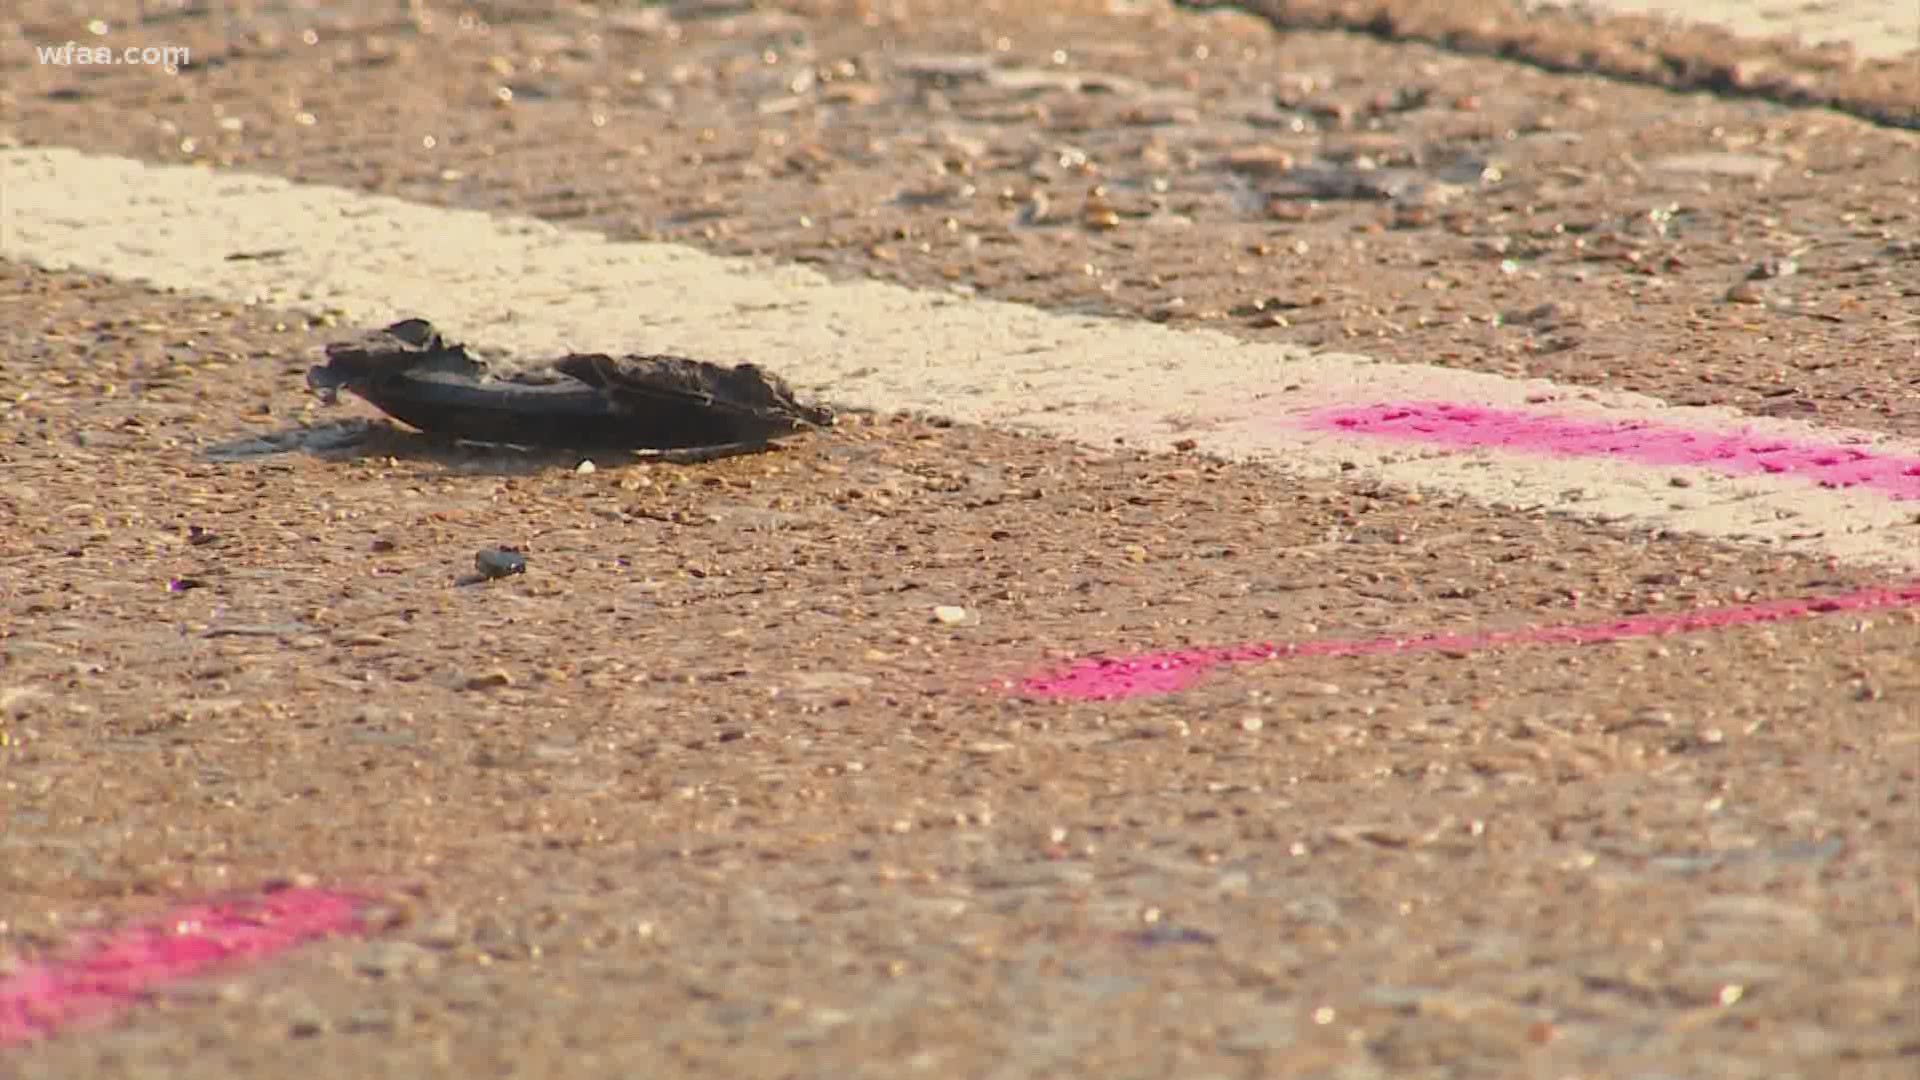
pixel 735 780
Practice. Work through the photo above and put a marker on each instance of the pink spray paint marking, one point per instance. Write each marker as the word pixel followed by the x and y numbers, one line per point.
pixel 117 969
pixel 1151 674
pixel 1732 453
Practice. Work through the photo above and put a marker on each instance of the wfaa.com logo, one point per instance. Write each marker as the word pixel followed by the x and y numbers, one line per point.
pixel 74 54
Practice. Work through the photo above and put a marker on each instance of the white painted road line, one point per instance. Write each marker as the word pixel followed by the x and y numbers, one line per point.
pixel 1876 29
pixel 528 287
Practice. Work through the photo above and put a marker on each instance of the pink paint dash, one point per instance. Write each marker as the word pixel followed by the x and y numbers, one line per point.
pixel 105 973
pixel 1151 674
pixel 1732 453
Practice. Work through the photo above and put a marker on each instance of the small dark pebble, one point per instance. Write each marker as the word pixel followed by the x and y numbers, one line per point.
pixel 499 562
pixel 197 535
pixel 182 584
pixel 1162 934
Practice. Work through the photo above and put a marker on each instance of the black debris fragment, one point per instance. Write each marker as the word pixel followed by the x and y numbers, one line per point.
pixel 656 403
pixel 499 562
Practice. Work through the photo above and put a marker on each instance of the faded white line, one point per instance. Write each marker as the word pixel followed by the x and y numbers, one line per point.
pixel 1875 29
pixel 529 287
